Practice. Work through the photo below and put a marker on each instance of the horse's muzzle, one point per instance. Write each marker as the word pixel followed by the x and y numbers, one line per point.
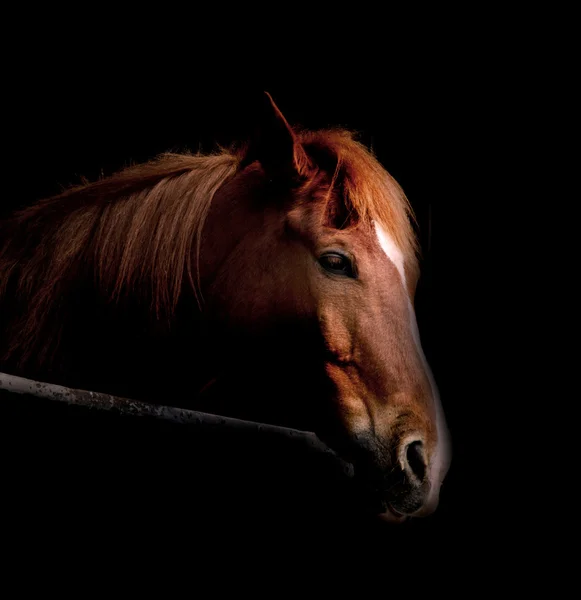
pixel 396 481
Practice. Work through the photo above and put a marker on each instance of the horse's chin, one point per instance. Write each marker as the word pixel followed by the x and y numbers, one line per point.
pixel 392 517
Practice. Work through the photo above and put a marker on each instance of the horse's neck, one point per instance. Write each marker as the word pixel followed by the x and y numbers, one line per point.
pixel 153 360
pixel 125 351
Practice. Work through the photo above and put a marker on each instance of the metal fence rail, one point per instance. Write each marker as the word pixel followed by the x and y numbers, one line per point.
pixel 136 408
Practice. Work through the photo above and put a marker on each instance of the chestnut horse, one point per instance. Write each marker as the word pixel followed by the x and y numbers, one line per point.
pixel 273 282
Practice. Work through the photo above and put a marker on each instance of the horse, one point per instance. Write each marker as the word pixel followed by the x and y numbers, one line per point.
pixel 273 280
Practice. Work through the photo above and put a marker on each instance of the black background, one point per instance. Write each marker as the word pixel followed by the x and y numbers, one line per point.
pixel 442 123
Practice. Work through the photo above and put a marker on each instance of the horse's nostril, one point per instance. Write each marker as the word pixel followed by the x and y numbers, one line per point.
pixel 414 457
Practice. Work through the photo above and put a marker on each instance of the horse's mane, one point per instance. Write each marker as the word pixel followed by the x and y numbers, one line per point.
pixel 139 227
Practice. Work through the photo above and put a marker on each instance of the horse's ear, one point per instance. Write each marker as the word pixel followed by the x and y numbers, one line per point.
pixel 275 145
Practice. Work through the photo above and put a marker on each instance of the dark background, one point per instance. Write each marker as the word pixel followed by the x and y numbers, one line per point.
pixel 441 123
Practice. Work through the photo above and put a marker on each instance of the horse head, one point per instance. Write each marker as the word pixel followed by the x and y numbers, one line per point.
pixel 308 269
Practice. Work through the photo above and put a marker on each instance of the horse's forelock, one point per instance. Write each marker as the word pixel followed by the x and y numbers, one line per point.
pixel 370 191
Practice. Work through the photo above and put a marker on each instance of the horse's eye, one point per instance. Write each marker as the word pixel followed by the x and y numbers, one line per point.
pixel 337 264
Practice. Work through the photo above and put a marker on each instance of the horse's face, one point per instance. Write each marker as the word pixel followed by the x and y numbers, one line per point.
pixel 349 282
pixel 387 416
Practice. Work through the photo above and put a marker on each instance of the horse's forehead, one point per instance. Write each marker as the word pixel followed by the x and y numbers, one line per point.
pixel 391 249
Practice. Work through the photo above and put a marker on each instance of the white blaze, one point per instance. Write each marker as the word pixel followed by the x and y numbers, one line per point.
pixel 393 252
pixel 441 460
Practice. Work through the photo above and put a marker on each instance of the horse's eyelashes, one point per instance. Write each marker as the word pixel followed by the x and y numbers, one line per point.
pixel 337 263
